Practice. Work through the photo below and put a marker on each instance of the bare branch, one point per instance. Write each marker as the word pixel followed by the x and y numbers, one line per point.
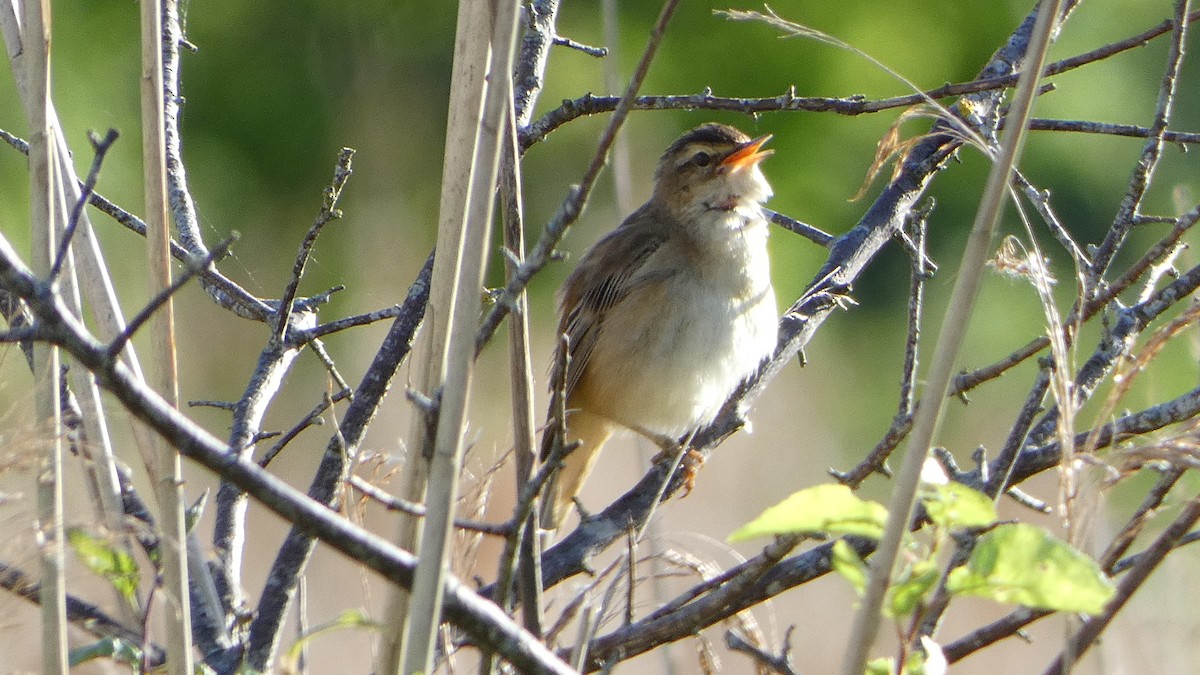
pixel 394 503
pixel 1151 152
pixel 1147 563
pixel 81 614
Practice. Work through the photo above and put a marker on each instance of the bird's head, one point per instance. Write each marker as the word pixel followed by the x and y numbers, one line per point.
pixel 713 167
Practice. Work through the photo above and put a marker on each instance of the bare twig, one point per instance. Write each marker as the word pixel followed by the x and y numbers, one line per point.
pixel 598 52
pixel 853 105
pixel 572 206
pixel 876 460
pixel 1130 583
pixel 779 663
pixel 329 212
pixel 81 614
pixel 805 230
pixel 191 271
pixel 292 558
pixel 1143 172
pixel 313 418
pixel 100 147
pixel 1110 129
pixel 394 503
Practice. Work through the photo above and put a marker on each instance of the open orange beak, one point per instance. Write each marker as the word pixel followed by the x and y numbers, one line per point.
pixel 749 154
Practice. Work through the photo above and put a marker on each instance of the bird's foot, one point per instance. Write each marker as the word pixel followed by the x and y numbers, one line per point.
pixel 693 460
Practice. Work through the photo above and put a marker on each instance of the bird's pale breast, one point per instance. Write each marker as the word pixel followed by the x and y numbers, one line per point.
pixel 677 346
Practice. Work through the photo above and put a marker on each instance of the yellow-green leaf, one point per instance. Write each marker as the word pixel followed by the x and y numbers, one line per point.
pixel 905 593
pixel 1026 565
pixel 824 509
pixel 956 506
pixel 850 565
pixel 102 557
pixel 881 666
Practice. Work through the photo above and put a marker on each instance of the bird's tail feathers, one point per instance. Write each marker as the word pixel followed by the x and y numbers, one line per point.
pixel 591 431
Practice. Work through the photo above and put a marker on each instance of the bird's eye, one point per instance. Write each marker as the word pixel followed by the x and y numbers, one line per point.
pixel 701 158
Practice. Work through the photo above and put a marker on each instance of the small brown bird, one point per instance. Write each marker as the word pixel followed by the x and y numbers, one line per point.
pixel 667 314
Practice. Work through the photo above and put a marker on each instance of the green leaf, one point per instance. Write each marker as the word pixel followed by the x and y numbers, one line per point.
pixel 907 592
pixel 824 509
pixel 955 506
pixel 850 565
pixel 881 666
pixel 1026 565
pixel 194 512
pixel 103 558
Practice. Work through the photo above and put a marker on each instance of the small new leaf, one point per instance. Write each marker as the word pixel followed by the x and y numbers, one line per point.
pixel 105 559
pixel 850 565
pixel 955 506
pixel 1026 565
pixel 823 509
pixel 906 593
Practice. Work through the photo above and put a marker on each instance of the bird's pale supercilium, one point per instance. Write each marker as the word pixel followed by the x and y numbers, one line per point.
pixel 667 314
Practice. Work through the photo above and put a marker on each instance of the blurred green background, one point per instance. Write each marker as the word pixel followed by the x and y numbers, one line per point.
pixel 277 87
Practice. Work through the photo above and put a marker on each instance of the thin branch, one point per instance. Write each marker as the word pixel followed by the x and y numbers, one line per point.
pixel 100 147
pixel 1041 202
pixel 1143 172
pixel 394 503
pixel 1111 558
pixel 83 615
pixel 1130 583
pixel 293 555
pixel 598 52
pixel 312 418
pixel 328 212
pixel 1037 459
pixel 1111 129
pixel 191 271
pixel 1125 564
pixel 572 206
pixel 700 610
pixel 849 105
pixel 779 663
pixel 805 230
pixel 876 460
pixel 295 338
